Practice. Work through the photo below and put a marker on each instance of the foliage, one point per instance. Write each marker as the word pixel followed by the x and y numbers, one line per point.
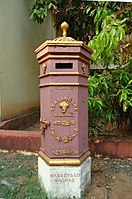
pixel 39 10
pixel 106 43
pixel 110 98
pixel 110 40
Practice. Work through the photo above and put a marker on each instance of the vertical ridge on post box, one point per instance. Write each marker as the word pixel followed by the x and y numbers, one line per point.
pixel 64 67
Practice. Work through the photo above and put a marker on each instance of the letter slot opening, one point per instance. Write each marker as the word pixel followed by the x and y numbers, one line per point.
pixel 64 65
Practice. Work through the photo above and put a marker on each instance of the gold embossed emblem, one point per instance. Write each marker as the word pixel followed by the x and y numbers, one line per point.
pixel 64 105
pixel 64 101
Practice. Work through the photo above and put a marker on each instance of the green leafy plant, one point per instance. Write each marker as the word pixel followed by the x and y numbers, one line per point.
pixel 39 10
pixel 111 46
pixel 106 43
pixel 110 99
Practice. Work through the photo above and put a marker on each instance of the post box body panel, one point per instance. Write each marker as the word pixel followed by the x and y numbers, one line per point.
pixel 63 79
pixel 64 70
pixel 67 134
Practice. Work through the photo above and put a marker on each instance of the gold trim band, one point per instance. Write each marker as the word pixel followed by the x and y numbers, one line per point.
pixel 63 73
pixel 64 57
pixel 63 84
pixel 60 43
pixel 64 161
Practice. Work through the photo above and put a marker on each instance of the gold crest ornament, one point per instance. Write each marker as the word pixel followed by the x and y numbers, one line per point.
pixel 64 106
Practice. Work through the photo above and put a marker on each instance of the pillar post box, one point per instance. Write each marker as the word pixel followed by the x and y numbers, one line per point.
pixel 64 163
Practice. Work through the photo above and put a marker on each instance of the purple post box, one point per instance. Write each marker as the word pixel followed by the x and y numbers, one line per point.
pixel 64 162
pixel 64 66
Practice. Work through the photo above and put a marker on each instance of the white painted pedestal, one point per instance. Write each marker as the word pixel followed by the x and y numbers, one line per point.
pixel 64 181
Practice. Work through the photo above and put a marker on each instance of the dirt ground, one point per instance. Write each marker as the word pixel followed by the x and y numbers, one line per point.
pixel 111 179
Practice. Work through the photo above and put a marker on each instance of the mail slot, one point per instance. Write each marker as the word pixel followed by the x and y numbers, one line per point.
pixel 64 68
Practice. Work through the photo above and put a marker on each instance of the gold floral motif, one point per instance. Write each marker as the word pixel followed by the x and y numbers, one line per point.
pixel 64 106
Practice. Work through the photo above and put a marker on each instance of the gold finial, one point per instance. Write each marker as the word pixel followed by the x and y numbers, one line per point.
pixel 64 27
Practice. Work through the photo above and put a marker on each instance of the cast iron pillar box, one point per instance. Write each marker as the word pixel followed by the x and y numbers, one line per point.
pixel 64 66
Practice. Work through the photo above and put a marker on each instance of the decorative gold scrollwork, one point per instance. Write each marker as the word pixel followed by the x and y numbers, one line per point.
pixel 44 124
pixel 84 68
pixel 44 67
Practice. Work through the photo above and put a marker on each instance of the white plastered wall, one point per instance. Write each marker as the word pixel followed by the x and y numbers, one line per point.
pixel 19 70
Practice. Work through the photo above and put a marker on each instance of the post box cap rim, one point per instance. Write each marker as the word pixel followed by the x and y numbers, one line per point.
pixel 55 42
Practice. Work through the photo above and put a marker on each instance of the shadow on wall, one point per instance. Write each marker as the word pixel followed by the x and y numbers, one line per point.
pixel 21 122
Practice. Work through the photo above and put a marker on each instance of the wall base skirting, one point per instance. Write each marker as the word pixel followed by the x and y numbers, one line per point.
pixel 113 147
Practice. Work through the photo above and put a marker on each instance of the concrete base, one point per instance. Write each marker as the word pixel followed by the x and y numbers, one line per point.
pixel 64 181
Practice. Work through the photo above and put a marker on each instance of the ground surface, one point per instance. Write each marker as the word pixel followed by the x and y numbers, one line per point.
pixel 111 178
pixel 18 177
